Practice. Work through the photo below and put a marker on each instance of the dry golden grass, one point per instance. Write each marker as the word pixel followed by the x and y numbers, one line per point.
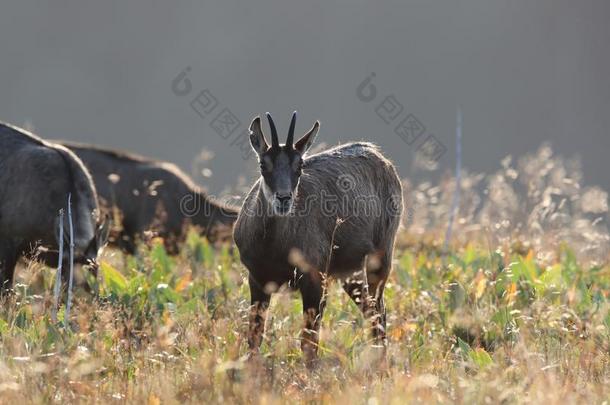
pixel 484 328
pixel 517 312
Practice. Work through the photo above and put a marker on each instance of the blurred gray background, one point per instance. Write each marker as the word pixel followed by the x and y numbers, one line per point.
pixel 523 72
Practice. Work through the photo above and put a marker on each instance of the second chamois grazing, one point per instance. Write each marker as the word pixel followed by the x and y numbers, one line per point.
pixel 36 178
pixel 143 195
pixel 334 213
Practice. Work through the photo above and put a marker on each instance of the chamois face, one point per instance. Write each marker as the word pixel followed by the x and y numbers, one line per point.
pixel 280 165
pixel 281 170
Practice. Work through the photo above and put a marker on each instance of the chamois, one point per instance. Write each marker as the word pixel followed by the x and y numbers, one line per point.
pixel 142 194
pixel 333 213
pixel 36 178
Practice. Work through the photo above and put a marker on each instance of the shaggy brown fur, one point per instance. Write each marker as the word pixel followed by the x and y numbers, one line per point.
pixel 144 195
pixel 36 177
pixel 346 207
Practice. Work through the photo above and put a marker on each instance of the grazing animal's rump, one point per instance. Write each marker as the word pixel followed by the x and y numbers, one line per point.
pixel 150 196
pixel 309 216
pixel 36 178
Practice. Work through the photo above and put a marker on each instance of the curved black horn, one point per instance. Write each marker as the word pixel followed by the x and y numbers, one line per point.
pixel 290 139
pixel 275 143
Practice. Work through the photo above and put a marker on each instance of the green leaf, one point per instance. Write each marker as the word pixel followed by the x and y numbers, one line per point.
pixel 470 254
pixel 113 279
pixel 162 264
pixel 524 269
pixel 551 279
pixel 3 327
pixel 480 357
pixel 464 348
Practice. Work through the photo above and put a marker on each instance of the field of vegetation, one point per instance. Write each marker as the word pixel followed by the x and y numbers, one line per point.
pixel 516 310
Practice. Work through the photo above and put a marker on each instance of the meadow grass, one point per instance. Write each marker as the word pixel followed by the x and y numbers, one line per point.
pixel 517 311
pixel 484 326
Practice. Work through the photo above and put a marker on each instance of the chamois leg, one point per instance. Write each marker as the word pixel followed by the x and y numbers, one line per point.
pixel 8 261
pixel 314 303
pixel 377 272
pixel 371 304
pixel 258 311
pixel 376 312
pixel 367 294
pixel 126 242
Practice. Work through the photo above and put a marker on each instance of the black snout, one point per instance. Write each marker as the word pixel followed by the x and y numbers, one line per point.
pixel 283 198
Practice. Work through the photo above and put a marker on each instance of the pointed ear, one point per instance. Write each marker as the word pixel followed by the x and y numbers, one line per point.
pixel 257 139
pixel 306 141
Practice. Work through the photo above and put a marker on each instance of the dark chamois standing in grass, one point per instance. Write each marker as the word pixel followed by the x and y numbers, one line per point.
pixel 349 197
pixel 36 178
pixel 150 196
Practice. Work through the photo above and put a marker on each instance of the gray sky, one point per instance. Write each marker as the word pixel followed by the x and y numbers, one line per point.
pixel 522 71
